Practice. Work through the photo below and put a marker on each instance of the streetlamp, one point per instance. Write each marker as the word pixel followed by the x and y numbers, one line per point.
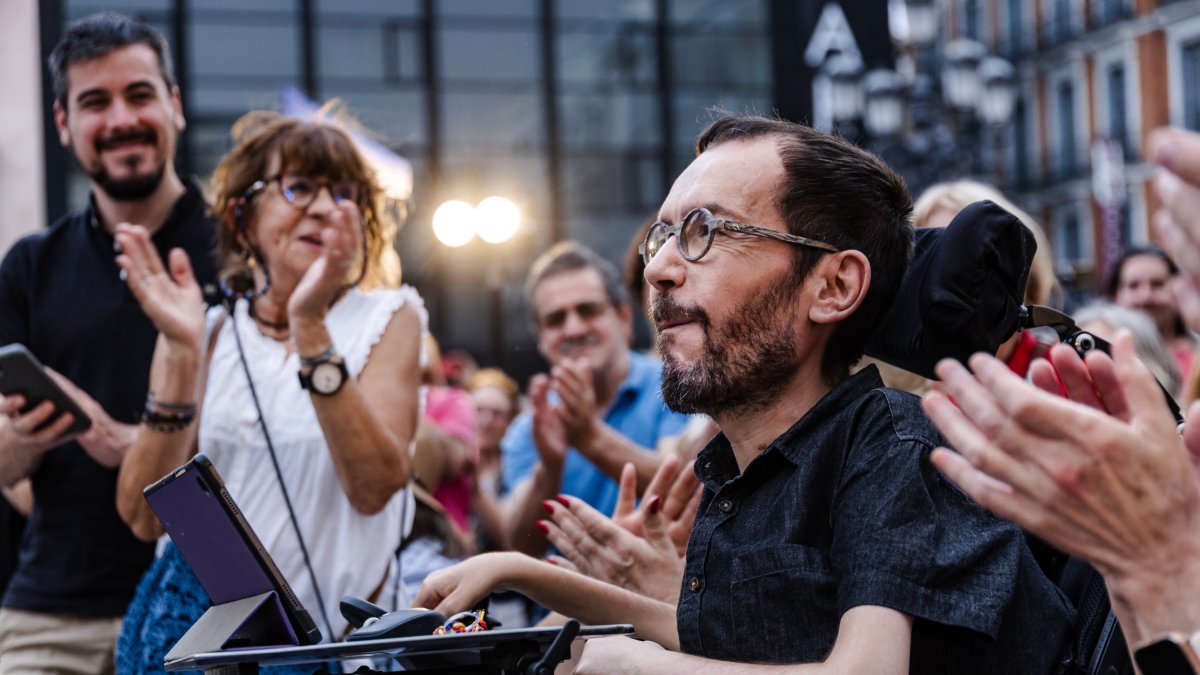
pixel 496 220
pixel 927 116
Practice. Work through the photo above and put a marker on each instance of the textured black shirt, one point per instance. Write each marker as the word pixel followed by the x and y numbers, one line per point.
pixel 845 509
pixel 61 296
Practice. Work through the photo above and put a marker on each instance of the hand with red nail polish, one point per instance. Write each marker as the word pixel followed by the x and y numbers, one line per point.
pixel 648 564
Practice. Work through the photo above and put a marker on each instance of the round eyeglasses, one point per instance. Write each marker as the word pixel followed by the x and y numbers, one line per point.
pixel 301 191
pixel 694 235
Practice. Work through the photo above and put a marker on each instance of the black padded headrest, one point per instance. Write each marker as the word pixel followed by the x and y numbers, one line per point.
pixel 961 293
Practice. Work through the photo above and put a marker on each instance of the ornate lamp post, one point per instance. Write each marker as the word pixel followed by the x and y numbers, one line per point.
pixel 928 117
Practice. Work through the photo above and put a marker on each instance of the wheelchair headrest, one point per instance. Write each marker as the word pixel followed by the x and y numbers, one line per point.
pixel 961 293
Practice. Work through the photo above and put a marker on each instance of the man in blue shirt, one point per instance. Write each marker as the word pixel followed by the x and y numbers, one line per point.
pixel 597 409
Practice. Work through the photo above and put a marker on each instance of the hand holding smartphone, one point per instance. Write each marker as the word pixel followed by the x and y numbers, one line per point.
pixel 21 373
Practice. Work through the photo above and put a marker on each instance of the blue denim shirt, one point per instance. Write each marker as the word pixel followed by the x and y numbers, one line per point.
pixel 637 412
pixel 844 509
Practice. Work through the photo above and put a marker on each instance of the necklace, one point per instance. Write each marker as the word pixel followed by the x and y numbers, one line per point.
pixel 263 322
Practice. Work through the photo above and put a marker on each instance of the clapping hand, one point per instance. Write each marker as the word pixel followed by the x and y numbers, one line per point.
pixel 1178 221
pixel 640 549
pixel 1117 489
pixel 341 240
pixel 171 298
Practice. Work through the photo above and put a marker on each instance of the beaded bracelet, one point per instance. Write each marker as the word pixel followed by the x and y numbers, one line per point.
pixel 166 417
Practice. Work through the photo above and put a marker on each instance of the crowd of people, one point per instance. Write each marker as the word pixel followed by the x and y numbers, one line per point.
pixel 751 495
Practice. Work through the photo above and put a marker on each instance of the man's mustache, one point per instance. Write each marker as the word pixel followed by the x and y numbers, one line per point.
pixel 665 308
pixel 141 135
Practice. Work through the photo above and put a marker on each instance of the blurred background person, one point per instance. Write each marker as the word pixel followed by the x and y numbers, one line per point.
pixel 1141 280
pixel 497 401
pixel 452 443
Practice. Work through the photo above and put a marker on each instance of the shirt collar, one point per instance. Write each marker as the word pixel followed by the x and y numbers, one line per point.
pixel 180 210
pixel 640 370
pixel 716 464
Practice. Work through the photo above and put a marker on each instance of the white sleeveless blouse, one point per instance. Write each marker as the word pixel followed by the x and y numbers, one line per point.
pixel 351 553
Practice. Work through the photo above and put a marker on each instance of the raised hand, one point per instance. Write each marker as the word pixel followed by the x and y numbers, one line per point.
pixel 679 490
pixel 171 298
pixel 596 546
pixel 549 433
pixel 1178 221
pixel 341 241
pixel 571 379
pixel 1120 493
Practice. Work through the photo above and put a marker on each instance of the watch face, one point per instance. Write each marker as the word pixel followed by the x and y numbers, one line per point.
pixel 326 378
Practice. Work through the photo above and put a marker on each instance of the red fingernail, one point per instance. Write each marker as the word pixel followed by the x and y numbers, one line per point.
pixel 563 500
pixel 541 525
pixel 549 506
pixel 654 505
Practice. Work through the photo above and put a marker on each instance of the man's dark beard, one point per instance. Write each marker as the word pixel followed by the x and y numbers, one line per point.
pixel 134 188
pixel 744 364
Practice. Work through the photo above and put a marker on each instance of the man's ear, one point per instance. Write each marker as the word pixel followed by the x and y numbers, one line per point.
pixel 60 122
pixel 841 281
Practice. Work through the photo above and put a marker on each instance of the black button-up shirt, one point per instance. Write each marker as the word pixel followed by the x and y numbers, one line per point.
pixel 844 509
pixel 61 295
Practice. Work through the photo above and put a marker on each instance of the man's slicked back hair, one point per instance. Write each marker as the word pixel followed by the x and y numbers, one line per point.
pixel 94 36
pixel 568 256
pixel 834 192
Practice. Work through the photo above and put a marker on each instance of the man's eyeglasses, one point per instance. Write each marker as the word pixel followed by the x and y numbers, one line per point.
pixel 301 191
pixel 694 235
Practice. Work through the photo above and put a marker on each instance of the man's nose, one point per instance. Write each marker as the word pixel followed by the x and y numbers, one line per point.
pixel 121 114
pixel 574 323
pixel 666 268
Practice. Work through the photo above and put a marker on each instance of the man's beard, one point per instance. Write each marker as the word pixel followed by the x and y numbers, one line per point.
pixel 135 187
pixel 744 364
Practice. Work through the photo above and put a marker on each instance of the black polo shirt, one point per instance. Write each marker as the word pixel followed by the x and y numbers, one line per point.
pixel 62 297
pixel 844 509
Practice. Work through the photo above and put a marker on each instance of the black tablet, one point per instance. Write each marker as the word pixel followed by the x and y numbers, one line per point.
pixel 218 543
pixel 21 373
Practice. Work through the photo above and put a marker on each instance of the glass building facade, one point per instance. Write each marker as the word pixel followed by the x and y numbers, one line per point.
pixel 581 112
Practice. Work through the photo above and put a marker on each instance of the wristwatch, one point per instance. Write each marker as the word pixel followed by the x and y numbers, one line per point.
pixel 1168 654
pixel 323 374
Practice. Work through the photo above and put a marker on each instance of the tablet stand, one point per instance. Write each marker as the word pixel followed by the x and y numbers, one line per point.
pixel 257 621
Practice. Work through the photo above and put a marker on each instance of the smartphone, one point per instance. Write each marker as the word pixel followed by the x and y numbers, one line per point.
pixel 21 373
pixel 218 543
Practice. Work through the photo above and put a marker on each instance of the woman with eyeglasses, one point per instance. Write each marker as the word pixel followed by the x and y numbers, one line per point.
pixel 318 343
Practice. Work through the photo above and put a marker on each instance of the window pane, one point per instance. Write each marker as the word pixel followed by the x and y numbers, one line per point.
pixel 1066 130
pixel 483 55
pixel 1117 122
pixel 1191 85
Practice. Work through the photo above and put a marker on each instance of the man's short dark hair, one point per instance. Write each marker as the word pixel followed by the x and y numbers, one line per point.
pixel 98 34
pixel 568 256
pixel 835 192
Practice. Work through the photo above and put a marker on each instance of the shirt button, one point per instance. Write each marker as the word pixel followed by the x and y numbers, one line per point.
pixel 694 584
pixel 725 505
